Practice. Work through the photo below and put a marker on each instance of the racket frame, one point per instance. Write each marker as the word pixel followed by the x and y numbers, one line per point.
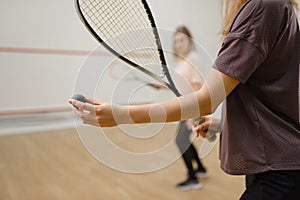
pixel 166 72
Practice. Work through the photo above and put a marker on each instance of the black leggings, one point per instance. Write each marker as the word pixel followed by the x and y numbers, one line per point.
pixel 273 185
pixel 187 149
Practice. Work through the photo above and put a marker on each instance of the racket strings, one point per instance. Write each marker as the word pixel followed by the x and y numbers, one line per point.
pixel 117 29
pixel 124 37
pixel 124 25
pixel 106 16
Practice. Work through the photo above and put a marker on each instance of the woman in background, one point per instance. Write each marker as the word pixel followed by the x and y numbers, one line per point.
pixel 187 67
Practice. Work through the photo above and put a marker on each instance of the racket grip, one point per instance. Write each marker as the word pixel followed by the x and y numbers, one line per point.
pixel 155 86
pixel 210 134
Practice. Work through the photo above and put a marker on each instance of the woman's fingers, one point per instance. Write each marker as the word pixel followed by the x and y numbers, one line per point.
pixel 201 129
pixel 97 113
pixel 82 106
pixel 94 101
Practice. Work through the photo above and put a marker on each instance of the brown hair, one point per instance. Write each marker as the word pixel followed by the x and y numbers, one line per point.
pixel 186 31
pixel 231 9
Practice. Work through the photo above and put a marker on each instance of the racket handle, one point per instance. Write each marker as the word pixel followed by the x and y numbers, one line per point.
pixel 155 86
pixel 211 135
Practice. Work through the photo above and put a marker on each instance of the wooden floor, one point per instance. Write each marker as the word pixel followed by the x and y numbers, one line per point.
pixel 55 165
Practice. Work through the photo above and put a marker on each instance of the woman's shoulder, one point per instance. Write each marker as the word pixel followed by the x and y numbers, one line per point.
pixel 264 5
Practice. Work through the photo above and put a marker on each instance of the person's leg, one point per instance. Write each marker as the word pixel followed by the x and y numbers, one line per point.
pixel 184 145
pixel 196 158
pixel 192 181
pixel 249 180
pixel 201 170
pixel 188 160
pixel 274 185
pixel 186 149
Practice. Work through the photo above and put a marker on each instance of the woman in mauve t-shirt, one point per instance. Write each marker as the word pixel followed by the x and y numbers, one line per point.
pixel 257 73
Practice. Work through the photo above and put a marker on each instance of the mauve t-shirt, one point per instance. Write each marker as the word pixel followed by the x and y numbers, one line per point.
pixel 261 129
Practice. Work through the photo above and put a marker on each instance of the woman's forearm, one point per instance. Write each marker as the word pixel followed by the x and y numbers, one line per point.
pixel 184 107
pixel 200 103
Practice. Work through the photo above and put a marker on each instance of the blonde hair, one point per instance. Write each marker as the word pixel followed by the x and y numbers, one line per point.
pixel 230 9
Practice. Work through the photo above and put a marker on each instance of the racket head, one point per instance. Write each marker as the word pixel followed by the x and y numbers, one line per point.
pixel 127 29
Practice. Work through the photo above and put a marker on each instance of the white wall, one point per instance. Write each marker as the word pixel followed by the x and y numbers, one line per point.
pixel 40 80
pixel 30 80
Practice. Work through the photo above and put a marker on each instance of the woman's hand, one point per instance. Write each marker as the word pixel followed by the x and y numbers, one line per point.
pixel 99 113
pixel 190 124
pixel 209 123
pixel 157 86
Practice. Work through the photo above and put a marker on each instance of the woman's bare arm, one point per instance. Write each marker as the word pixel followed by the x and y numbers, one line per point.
pixel 200 103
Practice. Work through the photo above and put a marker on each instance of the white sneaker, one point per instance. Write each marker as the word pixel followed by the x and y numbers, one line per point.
pixel 189 184
pixel 202 174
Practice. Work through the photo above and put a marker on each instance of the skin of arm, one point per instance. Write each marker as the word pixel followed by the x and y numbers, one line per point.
pixel 199 103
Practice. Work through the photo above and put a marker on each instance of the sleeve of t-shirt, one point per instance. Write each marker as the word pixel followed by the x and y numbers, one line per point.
pixel 249 40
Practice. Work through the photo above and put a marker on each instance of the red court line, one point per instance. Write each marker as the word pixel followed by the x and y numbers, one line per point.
pixel 35 111
pixel 45 52
pixel 30 111
pixel 67 52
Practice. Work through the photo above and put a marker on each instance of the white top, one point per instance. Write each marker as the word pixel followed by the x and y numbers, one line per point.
pixel 187 73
